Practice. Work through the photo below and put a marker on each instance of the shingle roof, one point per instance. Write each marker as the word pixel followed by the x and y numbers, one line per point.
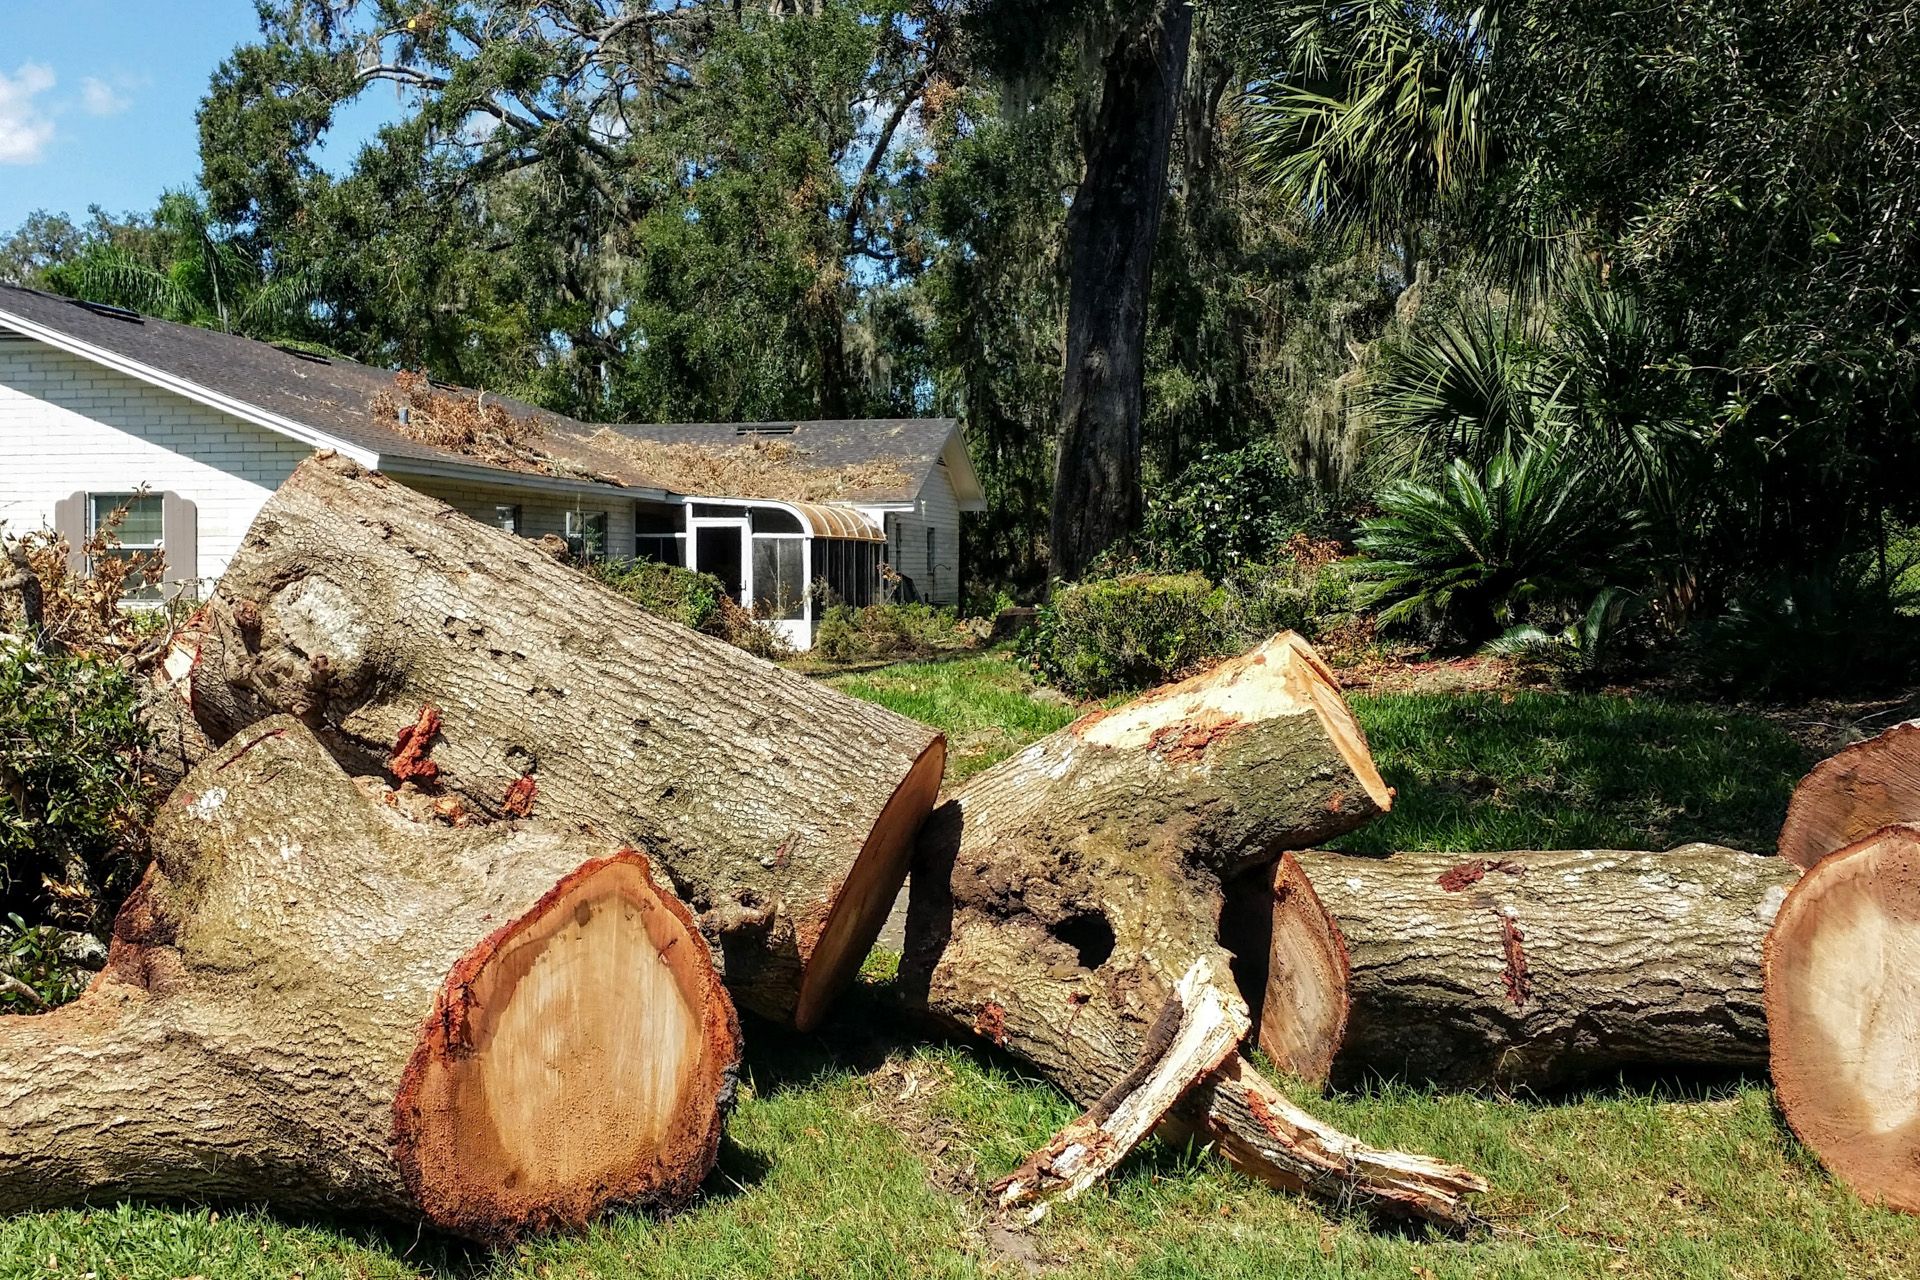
pixel 334 396
pixel 914 445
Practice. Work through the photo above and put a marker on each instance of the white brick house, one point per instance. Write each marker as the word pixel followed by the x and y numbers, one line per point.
pixel 98 405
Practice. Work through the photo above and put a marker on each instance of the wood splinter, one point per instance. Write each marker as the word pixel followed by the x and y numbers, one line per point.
pixel 1200 1027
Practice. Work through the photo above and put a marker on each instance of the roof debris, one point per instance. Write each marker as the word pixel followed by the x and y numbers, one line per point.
pixel 755 468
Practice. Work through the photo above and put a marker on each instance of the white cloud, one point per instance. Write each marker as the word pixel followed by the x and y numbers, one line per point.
pixel 98 98
pixel 25 128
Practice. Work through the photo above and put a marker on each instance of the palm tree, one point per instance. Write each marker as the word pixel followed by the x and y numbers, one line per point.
pixel 184 267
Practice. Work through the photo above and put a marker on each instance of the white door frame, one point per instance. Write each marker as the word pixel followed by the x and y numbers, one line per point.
pixel 745 527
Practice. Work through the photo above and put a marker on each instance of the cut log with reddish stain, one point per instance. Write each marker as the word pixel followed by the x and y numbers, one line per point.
pixel 1533 970
pixel 1852 794
pixel 782 810
pixel 1060 898
pixel 313 1001
pixel 1841 1004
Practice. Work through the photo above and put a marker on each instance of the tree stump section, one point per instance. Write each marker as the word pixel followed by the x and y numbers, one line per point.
pixel 1531 970
pixel 1060 898
pixel 314 1001
pixel 783 812
pixel 1840 966
pixel 1852 794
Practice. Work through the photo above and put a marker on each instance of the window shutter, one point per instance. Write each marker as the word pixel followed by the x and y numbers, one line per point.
pixel 70 522
pixel 180 538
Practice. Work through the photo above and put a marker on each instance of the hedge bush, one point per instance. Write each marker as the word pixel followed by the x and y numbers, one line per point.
pixel 888 632
pixel 70 804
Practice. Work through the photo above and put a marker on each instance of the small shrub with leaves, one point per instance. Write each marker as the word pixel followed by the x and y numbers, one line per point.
pixel 688 598
pixel 1580 654
pixel 1100 637
pixel 71 809
pixel 695 600
pixel 37 968
pixel 1226 510
pixel 889 632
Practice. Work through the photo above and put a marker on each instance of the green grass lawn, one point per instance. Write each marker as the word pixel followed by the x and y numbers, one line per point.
pixel 857 1153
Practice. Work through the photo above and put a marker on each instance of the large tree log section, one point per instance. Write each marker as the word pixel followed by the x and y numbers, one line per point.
pixel 1535 969
pixel 1845 1014
pixel 315 1001
pixel 783 811
pixel 1060 897
pixel 1852 794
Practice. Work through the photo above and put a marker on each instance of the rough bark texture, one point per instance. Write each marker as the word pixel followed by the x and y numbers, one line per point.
pixel 1060 896
pixel 1111 231
pixel 1852 794
pixel 783 811
pixel 267 997
pixel 1541 969
pixel 1845 1016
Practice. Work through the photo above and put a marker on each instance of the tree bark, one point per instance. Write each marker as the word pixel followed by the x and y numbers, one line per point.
pixel 1840 965
pixel 782 811
pixel 1540 969
pixel 1852 794
pixel 1111 231
pixel 315 1001
pixel 1059 898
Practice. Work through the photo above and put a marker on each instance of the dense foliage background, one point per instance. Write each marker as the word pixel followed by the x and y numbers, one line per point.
pixel 1552 314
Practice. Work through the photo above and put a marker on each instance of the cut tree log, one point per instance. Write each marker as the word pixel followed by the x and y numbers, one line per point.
pixel 1059 899
pixel 1852 794
pixel 313 1001
pixel 783 811
pixel 1522 970
pixel 1841 1003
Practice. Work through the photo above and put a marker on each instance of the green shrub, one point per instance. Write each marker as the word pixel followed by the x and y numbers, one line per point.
pixel 1225 510
pixel 688 598
pixel 36 970
pixel 1100 637
pixel 696 600
pixel 70 806
pixel 888 632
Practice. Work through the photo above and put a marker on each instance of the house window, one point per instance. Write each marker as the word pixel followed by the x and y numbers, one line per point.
pixel 659 533
pixel 507 516
pixel 139 530
pixel 779 576
pixel 586 533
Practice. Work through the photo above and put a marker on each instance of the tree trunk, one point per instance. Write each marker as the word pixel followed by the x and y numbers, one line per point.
pixel 1853 794
pixel 780 809
pixel 1060 897
pixel 1840 966
pixel 1536 970
pixel 1111 231
pixel 314 1001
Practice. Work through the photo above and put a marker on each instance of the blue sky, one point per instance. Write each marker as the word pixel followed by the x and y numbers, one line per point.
pixel 97 99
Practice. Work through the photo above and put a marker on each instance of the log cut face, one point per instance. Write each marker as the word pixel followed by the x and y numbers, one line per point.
pixel 1841 1004
pixel 314 1001
pixel 1539 969
pixel 784 812
pixel 1060 898
pixel 1852 794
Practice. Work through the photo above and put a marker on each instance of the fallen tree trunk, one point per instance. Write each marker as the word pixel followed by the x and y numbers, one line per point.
pixel 1852 794
pixel 1060 898
pixel 1528 970
pixel 783 811
pixel 314 1001
pixel 1840 966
